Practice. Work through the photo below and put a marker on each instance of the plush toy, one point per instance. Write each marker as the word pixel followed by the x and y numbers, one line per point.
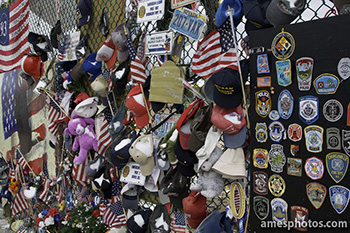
pixel 85 137
pixel 210 184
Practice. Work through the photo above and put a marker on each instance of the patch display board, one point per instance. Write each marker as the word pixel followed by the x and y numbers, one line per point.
pixel 299 166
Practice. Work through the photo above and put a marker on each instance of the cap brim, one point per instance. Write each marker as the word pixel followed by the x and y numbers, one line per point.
pixel 104 53
pixel 187 171
pixel 147 167
pixel 276 16
pixel 235 140
pixel 141 121
pixel 184 138
pixel 111 62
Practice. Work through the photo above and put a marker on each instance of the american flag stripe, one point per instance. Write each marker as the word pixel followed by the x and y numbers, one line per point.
pixel 55 119
pixel 59 193
pixel 46 184
pixel 20 203
pixel 22 229
pixel 12 173
pixel 78 174
pixel 18 34
pixel 178 223
pixel 103 135
pixel 113 215
pixel 137 69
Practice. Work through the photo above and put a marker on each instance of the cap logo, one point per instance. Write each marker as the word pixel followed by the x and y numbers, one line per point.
pixel 224 90
pixel 79 15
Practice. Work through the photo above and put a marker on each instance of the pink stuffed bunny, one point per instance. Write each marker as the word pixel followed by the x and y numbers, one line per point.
pixel 85 137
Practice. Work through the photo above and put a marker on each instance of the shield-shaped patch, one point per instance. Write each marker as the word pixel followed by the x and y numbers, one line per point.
pixel 304 66
pixel 285 104
pixel 337 165
pixel 339 196
pixel 261 207
pixel 277 159
pixel 279 209
pixel 277 131
pixel 295 132
pixel 313 138
pixel 260 183
pixel 344 68
pixel 261 132
pixel 333 138
pixel 260 158
pixel 300 216
pixel 263 103
pixel 308 109
pixel 346 141
pixel 284 72
pixel 316 193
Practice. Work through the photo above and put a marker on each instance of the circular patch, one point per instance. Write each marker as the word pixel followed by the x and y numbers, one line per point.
pixel 277 186
pixel 314 168
pixel 332 110
pixel 283 45
pixel 273 115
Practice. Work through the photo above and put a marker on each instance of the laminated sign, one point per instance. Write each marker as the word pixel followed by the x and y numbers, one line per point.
pixel 149 10
pixel 166 84
pixel 179 3
pixel 188 23
pixel 159 43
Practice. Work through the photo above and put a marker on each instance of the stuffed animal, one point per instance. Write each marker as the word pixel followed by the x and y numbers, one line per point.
pixel 85 137
pixel 210 184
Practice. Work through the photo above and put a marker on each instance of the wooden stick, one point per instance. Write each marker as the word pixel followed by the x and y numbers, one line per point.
pixel 109 103
pixel 47 93
pixel 26 162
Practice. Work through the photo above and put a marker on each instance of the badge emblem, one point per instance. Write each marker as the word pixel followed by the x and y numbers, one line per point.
pixel 263 103
pixel 261 207
pixel 273 115
pixel 304 66
pixel 300 216
pixel 314 168
pixel 346 141
pixel 260 158
pixel 295 132
pixel 263 81
pixel 337 165
pixel 277 186
pixel 339 196
pixel 260 183
pixel 261 132
pixel 277 131
pixel 285 104
pixel 333 138
pixel 326 84
pixel 294 149
pixel 344 68
pixel 279 209
pixel 316 193
pixel 284 74
pixel 313 138
pixel 237 200
pixel 308 109
pixel 283 45
pixel 332 110
pixel 294 166
pixel 277 159
pixel 263 64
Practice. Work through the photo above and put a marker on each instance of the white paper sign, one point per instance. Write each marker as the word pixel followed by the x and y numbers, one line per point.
pixel 149 10
pixel 159 43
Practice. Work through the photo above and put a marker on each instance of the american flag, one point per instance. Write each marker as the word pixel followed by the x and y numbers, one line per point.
pixel 20 203
pixel 21 160
pixel 103 135
pixel 22 229
pixel 137 69
pixel 215 52
pixel 59 193
pixel 56 117
pixel 83 195
pixel 13 39
pixel 78 174
pixel 178 222
pixel 43 195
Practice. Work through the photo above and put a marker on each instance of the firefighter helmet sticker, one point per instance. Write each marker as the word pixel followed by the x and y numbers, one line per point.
pixel 263 103
pixel 333 138
pixel 339 197
pixel 346 141
pixel 279 209
pixel 283 45
pixel 316 193
pixel 313 138
pixel 285 104
pixel 344 68
pixel 314 168
pixel 284 73
pixel 332 110
pixel 261 132
pixel 277 159
pixel 294 166
pixel 304 66
pixel 260 158
pixel 295 132
pixel 277 131
pixel 308 109
pixel 277 186
pixel 260 186
pixel 261 207
pixel 337 165
pixel 326 84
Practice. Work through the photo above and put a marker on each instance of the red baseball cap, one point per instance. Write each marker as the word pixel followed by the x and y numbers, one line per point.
pixel 228 120
pixel 136 105
pixel 195 207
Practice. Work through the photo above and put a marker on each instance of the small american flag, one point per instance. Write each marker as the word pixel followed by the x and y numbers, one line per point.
pixel 46 185
pixel 20 160
pixel 20 203
pixel 14 34
pixel 22 229
pixel 137 69
pixel 78 174
pixel 215 52
pixel 83 195
pixel 55 119
pixel 59 193
pixel 178 222
pixel 103 135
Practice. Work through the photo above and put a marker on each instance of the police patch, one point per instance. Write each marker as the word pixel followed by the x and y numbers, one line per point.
pixel 316 193
pixel 284 74
pixel 332 110
pixel 308 109
pixel 277 186
pixel 339 196
pixel 294 150
pixel 326 84
pixel 294 166
pixel 261 207
pixel 277 159
pixel 263 103
pixel 337 165
pixel 273 115
pixel 346 141
pixel 279 209
pixel 295 132
pixel 313 138
pixel 304 67
pixel 285 104
pixel 277 131
pixel 260 158
pixel 333 138
pixel 344 68
pixel 260 183
pixel 300 216
pixel 262 63
pixel 261 132
pixel 314 168
pixel 283 45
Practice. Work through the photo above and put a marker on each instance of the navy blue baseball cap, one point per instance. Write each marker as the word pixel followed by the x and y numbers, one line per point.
pixel 138 222
pixel 84 9
pixel 255 12
pixel 186 159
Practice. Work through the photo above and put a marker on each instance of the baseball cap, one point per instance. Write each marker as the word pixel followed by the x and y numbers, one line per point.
pixel 141 150
pixel 86 108
pixel 231 164
pixel 221 14
pixel 195 207
pixel 218 222
pixel 255 12
pixel 281 12
pixel 84 9
pixel 130 196
pixel 186 160
pixel 93 167
pixel 131 174
pixel 54 34
pixel 136 105
pixel 235 140
pixel 116 125
pixel 120 76
pixel 99 85
pixel 106 51
pixel 228 120
pixel 159 220
pixel 138 222
pixel 119 40
pixel 91 66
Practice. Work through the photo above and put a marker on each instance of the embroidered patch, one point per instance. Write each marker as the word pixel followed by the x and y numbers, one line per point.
pixel 261 132
pixel 279 209
pixel 339 196
pixel 314 168
pixel 263 103
pixel 332 110
pixel 277 186
pixel 260 158
pixel 337 165
pixel 277 131
pixel 273 115
pixel 283 45
pixel 313 138
pixel 308 109
pixel 300 216
pixel 237 200
pixel 316 193
pixel 295 132
pixel 344 68
pixel 277 159
pixel 261 207
pixel 263 81
pixel 346 141
pixel 262 63
pixel 294 150
pixel 326 84
pixel 285 104
pixel 260 183
pixel 304 67
pixel 284 74
pixel 333 138
pixel 294 166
